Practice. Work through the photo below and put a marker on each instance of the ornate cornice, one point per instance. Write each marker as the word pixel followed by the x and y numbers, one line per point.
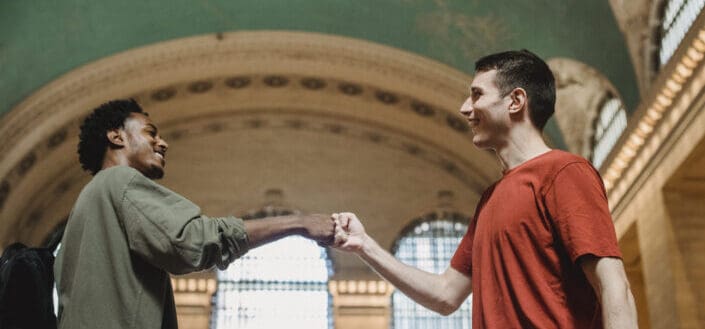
pixel 131 72
pixel 300 119
pixel 668 105
pixel 382 95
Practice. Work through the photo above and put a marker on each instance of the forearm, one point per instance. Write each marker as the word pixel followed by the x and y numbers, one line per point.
pixel 428 289
pixel 266 230
pixel 618 308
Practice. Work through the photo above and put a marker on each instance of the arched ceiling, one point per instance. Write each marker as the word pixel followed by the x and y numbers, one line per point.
pixel 335 123
pixel 41 40
pixel 93 46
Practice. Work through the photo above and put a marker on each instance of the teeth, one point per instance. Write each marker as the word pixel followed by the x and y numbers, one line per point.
pixel 159 154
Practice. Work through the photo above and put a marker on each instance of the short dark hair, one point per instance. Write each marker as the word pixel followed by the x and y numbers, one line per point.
pixel 93 140
pixel 524 69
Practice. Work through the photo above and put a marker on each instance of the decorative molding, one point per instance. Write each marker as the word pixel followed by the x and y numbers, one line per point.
pixel 298 83
pixel 360 287
pixel 200 285
pixel 127 73
pixel 580 92
pixel 666 107
pixel 265 69
pixel 637 20
pixel 300 119
pixel 361 298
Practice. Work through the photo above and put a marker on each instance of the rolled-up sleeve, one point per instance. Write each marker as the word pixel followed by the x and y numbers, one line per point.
pixel 169 231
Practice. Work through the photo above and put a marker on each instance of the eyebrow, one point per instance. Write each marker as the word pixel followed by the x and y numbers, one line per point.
pixel 152 126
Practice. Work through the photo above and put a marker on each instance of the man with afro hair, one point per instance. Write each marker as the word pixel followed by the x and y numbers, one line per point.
pixel 126 233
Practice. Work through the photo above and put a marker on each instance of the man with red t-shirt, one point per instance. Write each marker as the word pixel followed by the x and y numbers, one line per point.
pixel 541 250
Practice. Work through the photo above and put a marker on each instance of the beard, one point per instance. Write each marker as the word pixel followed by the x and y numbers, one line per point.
pixel 154 172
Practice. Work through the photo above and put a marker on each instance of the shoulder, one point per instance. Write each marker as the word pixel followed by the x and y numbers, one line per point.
pixel 558 162
pixel 565 160
pixel 115 179
pixel 543 169
pixel 576 169
pixel 117 173
pixel 564 166
pixel 562 158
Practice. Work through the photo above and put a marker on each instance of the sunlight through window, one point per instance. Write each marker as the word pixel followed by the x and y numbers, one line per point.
pixel 609 126
pixel 281 284
pixel 429 245
pixel 678 17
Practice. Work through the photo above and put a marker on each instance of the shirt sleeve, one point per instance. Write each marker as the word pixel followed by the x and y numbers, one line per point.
pixel 462 259
pixel 577 204
pixel 169 231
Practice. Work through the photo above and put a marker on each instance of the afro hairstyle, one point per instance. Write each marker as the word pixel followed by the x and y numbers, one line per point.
pixel 93 140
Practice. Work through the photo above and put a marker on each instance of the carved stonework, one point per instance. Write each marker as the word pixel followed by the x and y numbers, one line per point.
pixel 269 82
pixel 636 20
pixel 580 92
pixel 193 295
pixel 361 304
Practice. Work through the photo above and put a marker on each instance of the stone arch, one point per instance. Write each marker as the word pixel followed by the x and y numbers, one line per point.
pixel 580 93
pixel 245 109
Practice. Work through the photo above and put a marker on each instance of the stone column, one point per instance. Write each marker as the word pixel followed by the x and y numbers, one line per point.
pixel 361 304
pixel 193 294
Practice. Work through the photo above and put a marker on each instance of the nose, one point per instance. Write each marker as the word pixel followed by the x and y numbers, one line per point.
pixel 162 144
pixel 466 108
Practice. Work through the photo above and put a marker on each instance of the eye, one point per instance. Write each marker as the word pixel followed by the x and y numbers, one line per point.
pixel 476 95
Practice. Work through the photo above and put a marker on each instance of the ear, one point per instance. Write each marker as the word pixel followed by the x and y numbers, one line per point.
pixel 519 100
pixel 116 137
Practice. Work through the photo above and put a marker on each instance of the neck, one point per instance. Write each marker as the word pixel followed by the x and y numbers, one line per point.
pixel 113 159
pixel 524 143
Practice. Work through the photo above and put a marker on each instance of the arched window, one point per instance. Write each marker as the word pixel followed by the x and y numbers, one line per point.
pixel 429 243
pixel 677 18
pixel 609 125
pixel 283 284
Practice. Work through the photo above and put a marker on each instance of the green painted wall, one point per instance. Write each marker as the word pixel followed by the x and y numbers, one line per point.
pixel 42 39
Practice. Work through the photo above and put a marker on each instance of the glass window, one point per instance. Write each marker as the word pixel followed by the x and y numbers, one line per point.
pixel 429 244
pixel 609 126
pixel 283 284
pixel 678 17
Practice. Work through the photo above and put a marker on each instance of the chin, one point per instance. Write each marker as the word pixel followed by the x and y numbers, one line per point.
pixel 155 172
pixel 159 173
pixel 480 143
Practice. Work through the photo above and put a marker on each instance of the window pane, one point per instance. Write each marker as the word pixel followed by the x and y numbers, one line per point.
pixel 281 284
pixel 609 126
pixel 429 246
pixel 678 17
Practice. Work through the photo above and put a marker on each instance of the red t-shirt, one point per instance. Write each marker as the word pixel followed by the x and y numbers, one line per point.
pixel 522 245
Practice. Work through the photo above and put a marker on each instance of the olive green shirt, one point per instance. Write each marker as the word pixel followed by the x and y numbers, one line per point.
pixel 124 235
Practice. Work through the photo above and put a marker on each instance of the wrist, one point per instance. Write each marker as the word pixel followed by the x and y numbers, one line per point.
pixel 367 245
